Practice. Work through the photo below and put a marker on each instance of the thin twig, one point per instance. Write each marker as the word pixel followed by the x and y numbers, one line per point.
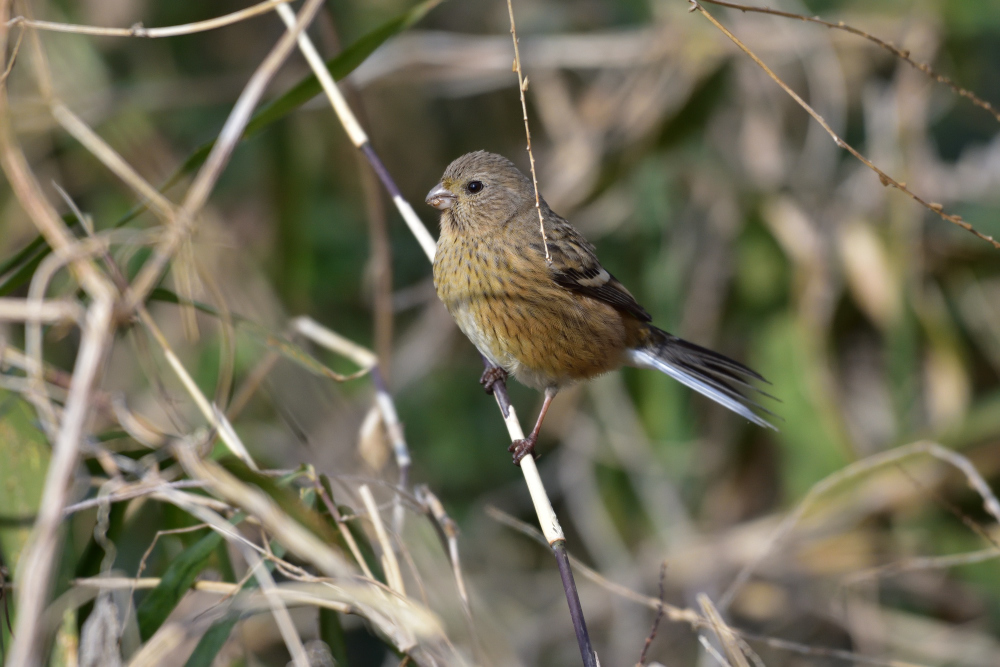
pixel 358 136
pixel 138 30
pixel 345 532
pixel 656 619
pixel 448 531
pixel 849 472
pixel 522 86
pixel 902 54
pixel 278 609
pixel 251 383
pixel 210 411
pixel 922 563
pixel 13 56
pixel 291 534
pixel 712 651
pixel 331 340
pixel 80 131
pixel 689 616
pixel 722 631
pixel 849 657
pixel 884 178
pixel 390 418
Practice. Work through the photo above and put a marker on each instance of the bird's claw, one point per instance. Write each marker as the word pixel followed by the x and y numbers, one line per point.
pixel 491 376
pixel 521 448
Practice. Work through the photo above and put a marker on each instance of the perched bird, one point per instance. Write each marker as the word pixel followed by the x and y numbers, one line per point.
pixel 551 321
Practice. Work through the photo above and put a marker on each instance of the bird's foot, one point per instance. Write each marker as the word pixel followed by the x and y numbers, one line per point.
pixel 523 447
pixel 491 376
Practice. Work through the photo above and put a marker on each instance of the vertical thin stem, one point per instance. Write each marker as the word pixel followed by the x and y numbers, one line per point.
pixel 573 600
pixel 547 519
pixel 522 85
pixel 549 523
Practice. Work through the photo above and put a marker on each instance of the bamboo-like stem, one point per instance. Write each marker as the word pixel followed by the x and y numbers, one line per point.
pixel 357 135
pixel 539 497
pixel 549 523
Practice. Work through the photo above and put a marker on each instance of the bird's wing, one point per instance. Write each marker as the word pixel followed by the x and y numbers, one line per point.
pixel 575 266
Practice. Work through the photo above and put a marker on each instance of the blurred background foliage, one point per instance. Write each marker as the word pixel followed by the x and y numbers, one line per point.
pixel 731 216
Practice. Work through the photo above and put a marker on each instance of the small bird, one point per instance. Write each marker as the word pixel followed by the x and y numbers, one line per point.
pixel 551 318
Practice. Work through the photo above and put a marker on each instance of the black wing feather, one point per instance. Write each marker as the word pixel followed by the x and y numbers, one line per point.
pixel 575 266
pixel 611 292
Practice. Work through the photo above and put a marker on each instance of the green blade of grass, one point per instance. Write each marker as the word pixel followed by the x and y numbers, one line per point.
pixel 331 632
pixel 211 643
pixel 215 637
pixel 175 582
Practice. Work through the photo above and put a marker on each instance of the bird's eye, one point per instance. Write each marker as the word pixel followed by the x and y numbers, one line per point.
pixel 474 186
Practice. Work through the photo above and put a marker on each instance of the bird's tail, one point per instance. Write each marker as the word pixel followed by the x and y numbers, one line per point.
pixel 710 373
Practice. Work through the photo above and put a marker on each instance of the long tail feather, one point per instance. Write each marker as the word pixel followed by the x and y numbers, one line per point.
pixel 707 372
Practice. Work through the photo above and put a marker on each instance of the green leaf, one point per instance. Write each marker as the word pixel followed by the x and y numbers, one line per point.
pixel 211 643
pixel 24 458
pixel 23 254
pixel 165 295
pixel 215 637
pixel 332 633
pixel 26 261
pixel 175 582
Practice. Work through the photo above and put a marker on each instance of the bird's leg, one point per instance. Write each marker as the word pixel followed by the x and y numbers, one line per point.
pixel 523 447
pixel 491 376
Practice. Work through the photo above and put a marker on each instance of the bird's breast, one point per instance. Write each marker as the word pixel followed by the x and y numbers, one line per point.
pixel 505 301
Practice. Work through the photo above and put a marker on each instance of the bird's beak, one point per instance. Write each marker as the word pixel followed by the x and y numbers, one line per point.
pixel 440 197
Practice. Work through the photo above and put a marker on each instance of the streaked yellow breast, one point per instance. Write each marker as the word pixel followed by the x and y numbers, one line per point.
pixel 504 300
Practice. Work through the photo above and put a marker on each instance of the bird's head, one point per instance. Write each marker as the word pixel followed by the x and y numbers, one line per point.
pixel 480 191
